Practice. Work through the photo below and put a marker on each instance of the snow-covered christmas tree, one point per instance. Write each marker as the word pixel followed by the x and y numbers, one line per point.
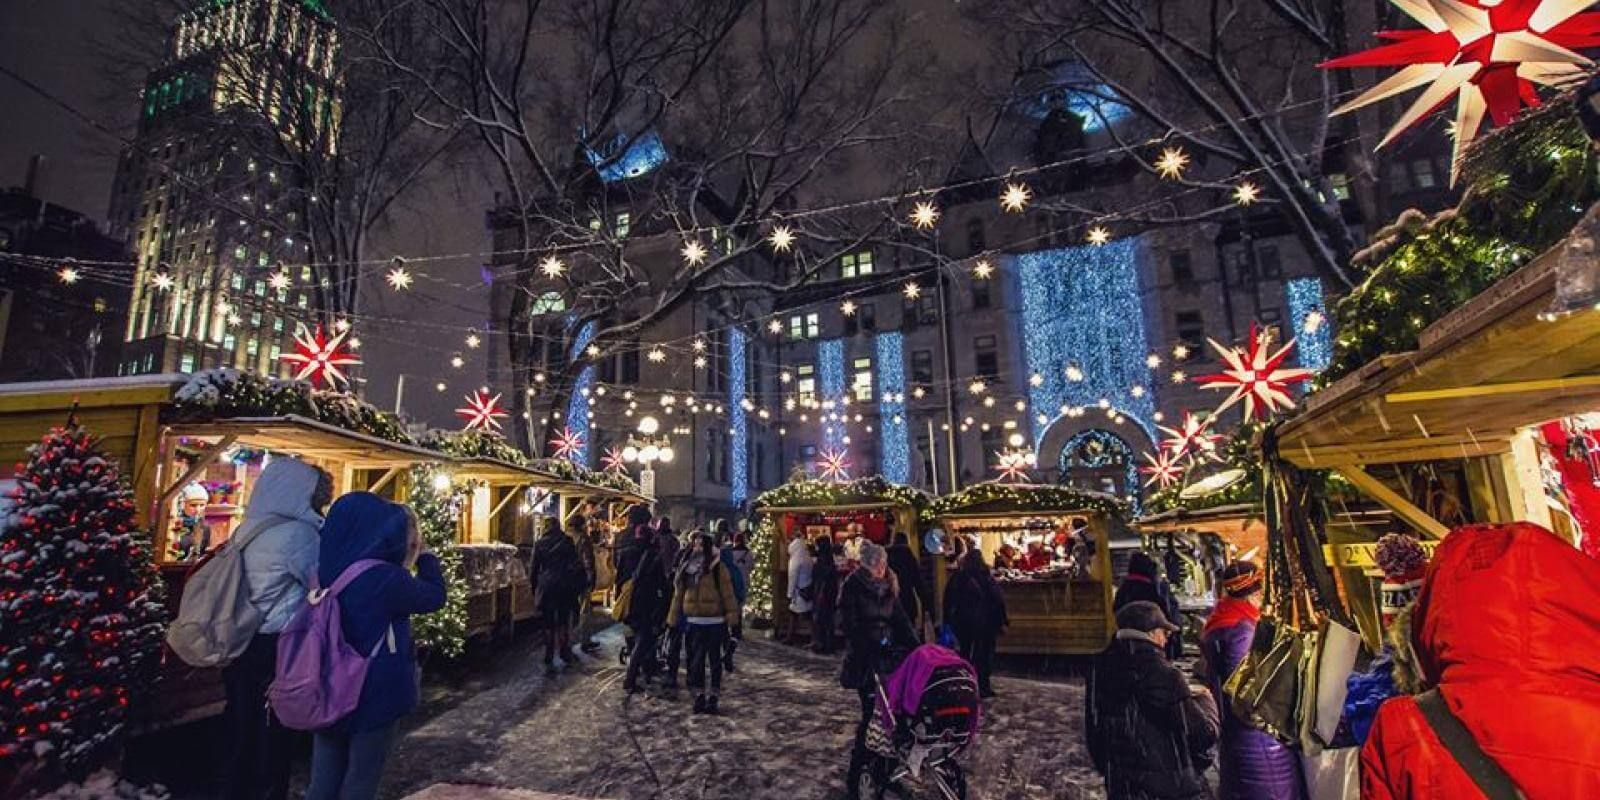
pixel 80 611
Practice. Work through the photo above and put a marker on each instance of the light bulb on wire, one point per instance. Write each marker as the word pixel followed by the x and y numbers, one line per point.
pixel 1015 197
pixel 1172 163
pixel 552 267
pixel 924 215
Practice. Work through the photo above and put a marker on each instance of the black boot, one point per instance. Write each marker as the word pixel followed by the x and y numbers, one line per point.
pixel 699 704
pixel 711 704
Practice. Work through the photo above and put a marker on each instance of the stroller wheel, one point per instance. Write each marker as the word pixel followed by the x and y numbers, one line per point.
pixel 874 782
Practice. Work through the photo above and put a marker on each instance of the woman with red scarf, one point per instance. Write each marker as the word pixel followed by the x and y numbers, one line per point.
pixel 1253 765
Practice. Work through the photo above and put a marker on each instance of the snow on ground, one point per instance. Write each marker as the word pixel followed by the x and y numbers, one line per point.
pixel 784 734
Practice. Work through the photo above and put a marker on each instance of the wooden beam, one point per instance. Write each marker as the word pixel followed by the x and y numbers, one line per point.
pixel 1402 507
pixel 1525 482
pixel 207 456
pixel 1393 451
pixel 384 480
pixel 1490 389
pixel 505 501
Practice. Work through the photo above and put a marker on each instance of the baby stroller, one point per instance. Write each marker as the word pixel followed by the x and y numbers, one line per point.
pixel 927 713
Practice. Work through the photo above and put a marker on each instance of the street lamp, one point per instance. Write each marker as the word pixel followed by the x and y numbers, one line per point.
pixel 645 449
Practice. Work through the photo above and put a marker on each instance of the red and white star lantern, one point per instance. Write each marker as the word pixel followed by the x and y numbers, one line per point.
pixel 482 412
pixel 1192 437
pixel 612 461
pixel 321 358
pixel 834 465
pixel 1488 54
pixel 1256 375
pixel 568 445
pixel 1163 467
pixel 1013 466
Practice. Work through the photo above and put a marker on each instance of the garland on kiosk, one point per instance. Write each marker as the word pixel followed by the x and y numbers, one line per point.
pixel 1022 498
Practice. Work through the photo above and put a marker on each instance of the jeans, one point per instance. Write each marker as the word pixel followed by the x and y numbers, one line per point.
pixel 259 749
pixel 642 661
pixel 705 647
pixel 978 648
pixel 347 766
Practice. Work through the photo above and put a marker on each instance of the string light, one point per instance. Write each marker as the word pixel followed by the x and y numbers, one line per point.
pixel 781 238
pixel 1152 361
pixel 1036 380
pixel 1246 193
pixel 1099 236
pixel 1074 373
pixel 457 362
pixel 68 275
pixel 775 327
pixel 913 291
pixel 700 362
pixel 280 281
pixel 977 387
pixel 694 252
pixel 162 281
pixel 552 267
pixel 924 215
pixel 847 308
pixel 473 341
pixel 699 345
pixel 399 279
pixel 1179 376
pixel 1180 351
pixel 656 355
pixel 982 269
pixel 1015 197
pixel 593 350
pixel 1172 163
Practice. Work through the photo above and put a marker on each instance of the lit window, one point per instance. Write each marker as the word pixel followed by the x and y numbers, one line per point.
pixel 806 382
pixel 237 281
pixel 805 326
pixel 624 224
pixel 861 383
pixel 855 265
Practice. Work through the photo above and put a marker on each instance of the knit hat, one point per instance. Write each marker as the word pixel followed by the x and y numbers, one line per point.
pixel 1403 562
pixel 1241 579
pixel 194 492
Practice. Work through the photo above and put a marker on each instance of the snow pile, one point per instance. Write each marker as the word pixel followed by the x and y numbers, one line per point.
pixel 104 785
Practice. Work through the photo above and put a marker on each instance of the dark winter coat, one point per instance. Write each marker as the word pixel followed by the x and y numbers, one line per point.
pixel 974 604
pixel 1253 765
pixel 652 591
pixel 825 585
pixel 1149 734
pixel 583 540
pixel 914 595
pixel 365 526
pixel 558 573
pixel 630 549
pixel 1144 582
pixel 876 629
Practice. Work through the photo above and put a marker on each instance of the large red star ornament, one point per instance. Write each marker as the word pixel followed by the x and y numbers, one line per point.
pixel 834 465
pixel 612 461
pixel 1013 466
pixel 1256 376
pixel 321 358
pixel 482 412
pixel 1193 437
pixel 1488 53
pixel 568 445
pixel 1164 468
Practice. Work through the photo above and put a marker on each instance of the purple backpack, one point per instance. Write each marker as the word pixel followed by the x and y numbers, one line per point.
pixel 319 674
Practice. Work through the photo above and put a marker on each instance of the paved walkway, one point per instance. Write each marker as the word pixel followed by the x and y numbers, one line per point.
pixel 784 734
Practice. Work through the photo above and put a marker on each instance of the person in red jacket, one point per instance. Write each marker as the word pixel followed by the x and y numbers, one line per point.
pixel 1507 628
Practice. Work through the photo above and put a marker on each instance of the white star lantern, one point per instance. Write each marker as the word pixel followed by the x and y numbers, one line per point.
pixel 1488 54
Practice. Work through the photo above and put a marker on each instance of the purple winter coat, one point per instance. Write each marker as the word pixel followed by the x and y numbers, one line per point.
pixel 1252 764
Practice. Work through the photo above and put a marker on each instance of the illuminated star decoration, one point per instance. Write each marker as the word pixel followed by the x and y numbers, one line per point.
pixel 68 275
pixel 1163 467
pixel 1191 438
pixel 847 308
pixel 834 465
pixel 568 445
pixel 1256 375
pixel 983 269
pixel 775 326
pixel 1246 193
pixel 399 279
pixel 1099 236
pixel 279 281
pixel 656 355
pixel 781 238
pixel 320 358
pixel 1015 197
pixel 694 253
pixel 1489 54
pixel 612 461
pixel 162 281
pixel 552 267
pixel 482 412
pixel 913 291
pixel 1172 163
pixel 924 215
pixel 1013 466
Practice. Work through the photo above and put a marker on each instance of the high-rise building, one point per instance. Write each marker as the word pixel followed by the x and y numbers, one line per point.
pixel 208 196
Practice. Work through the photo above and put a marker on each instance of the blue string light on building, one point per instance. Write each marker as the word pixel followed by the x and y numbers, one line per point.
pixel 578 403
pixel 1081 307
pixel 738 422
pixel 830 373
pixel 894 444
pixel 1313 340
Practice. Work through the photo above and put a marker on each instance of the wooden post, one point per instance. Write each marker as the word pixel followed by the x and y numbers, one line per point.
pixel 1524 483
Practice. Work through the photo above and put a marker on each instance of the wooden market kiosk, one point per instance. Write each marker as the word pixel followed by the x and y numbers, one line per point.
pixel 811 509
pixel 1473 395
pixel 1206 538
pixel 1062 608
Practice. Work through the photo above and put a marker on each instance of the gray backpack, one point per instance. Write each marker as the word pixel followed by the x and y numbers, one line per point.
pixel 216 619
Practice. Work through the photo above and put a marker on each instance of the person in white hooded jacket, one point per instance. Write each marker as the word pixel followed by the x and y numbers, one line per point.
pixel 800 563
pixel 279 565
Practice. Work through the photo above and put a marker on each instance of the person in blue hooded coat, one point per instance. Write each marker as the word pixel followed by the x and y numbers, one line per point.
pixel 347 759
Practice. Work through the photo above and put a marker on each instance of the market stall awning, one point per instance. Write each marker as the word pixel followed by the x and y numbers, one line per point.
pixel 504 473
pixel 1480 373
pixel 313 439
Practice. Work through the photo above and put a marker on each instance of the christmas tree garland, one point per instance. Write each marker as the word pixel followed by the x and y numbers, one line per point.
pixel 812 493
pixel 1013 498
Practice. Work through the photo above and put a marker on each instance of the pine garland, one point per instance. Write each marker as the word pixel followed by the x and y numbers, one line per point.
pixel 872 489
pixel 438 514
pixel 223 393
pixel 1010 498
pixel 81 615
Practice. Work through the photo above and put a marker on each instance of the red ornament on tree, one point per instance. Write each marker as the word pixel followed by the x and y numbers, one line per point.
pixel 320 358
pixel 1487 53
pixel 482 412
pixel 1256 375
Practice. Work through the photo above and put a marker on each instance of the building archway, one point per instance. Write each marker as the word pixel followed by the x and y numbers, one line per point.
pixel 1097 454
